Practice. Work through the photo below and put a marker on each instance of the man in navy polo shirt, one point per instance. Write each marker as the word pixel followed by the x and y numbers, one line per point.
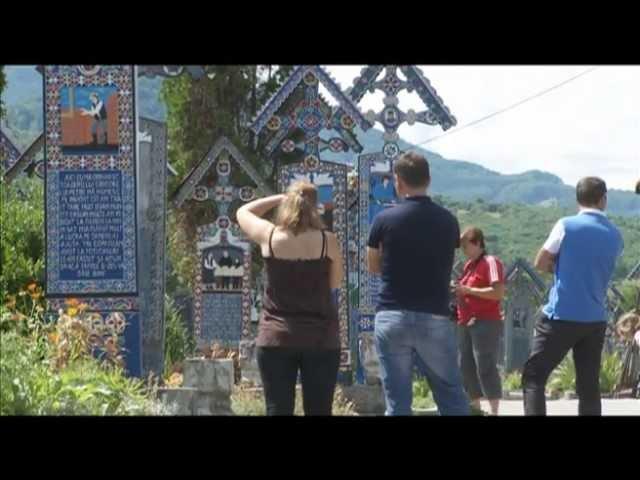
pixel 581 252
pixel 412 246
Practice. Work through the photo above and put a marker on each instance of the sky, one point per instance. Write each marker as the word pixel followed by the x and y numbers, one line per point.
pixel 590 126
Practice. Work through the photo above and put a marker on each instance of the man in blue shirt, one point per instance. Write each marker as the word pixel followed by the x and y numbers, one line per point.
pixel 412 246
pixel 581 252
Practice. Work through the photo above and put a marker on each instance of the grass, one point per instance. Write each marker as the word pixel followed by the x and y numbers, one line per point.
pixel 422 394
pixel 49 368
pixel 31 384
pixel 250 402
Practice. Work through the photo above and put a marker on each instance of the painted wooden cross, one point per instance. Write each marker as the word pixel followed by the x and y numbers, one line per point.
pixel 391 117
pixel 222 293
pixel 306 111
pixel 223 193
pixel 525 293
pixel 9 153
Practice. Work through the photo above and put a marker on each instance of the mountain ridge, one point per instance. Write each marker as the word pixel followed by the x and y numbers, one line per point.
pixel 455 178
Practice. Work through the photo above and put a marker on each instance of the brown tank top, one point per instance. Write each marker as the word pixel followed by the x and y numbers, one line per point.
pixel 297 306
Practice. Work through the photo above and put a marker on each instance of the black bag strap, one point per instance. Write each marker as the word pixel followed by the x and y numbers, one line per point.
pixel 324 244
pixel 270 247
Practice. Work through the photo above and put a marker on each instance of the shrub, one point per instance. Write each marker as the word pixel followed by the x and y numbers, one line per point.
pixel 24 375
pixel 23 311
pixel 610 372
pixel 22 237
pixel 178 342
pixel 422 394
pixel 512 382
pixel 49 369
pixel 563 377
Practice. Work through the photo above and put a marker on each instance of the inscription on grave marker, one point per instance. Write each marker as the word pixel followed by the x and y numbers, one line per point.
pixel 91 228
pixel 222 317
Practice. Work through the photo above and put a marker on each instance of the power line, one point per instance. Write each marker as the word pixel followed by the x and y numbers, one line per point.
pixel 506 109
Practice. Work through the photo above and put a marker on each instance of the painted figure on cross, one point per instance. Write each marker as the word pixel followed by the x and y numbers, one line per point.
pixel 98 113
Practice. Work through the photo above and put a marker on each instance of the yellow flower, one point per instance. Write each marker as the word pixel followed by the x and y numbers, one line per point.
pixel 175 380
pixel 72 311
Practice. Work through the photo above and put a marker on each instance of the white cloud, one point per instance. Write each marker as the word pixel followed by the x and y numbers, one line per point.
pixel 590 126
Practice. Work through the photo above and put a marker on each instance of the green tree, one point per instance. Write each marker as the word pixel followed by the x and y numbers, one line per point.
pixel 630 290
pixel 3 82
pixel 223 102
pixel 519 230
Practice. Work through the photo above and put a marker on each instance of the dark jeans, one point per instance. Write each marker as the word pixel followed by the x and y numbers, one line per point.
pixel 552 341
pixel 478 357
pixel 279 371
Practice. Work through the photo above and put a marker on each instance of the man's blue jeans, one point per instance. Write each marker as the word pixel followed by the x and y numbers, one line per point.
pixel 401 337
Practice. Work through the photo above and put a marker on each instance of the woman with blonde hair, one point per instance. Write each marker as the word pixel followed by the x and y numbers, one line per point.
pixel 298 328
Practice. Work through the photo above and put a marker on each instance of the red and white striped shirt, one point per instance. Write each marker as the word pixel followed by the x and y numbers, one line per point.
pixel 480 273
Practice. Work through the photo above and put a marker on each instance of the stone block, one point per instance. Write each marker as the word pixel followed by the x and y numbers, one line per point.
pixel 248 362
pixel 211 403
pixel 209 375
pixel 181 399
